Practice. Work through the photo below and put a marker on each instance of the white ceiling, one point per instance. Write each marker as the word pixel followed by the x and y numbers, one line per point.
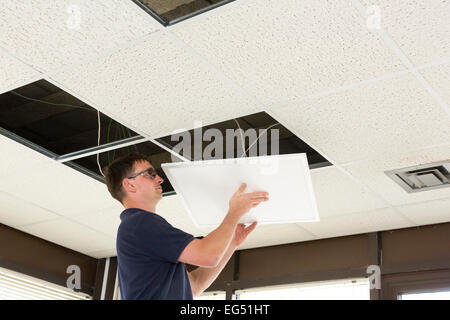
pixel 368 100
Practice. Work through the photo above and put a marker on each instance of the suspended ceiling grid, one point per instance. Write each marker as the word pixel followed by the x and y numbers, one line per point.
pixel 367 100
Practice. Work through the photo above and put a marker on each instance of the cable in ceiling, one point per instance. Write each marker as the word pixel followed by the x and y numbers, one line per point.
pixel 264 131
pixel 242 137
pixel 50 103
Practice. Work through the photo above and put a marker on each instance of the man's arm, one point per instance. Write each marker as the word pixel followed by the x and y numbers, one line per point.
pixel 209 251
pixel 201 278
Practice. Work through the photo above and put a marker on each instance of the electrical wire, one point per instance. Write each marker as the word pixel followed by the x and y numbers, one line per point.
pixel 242 138
pixel 51 103
pixel 264 131
pixel 98 143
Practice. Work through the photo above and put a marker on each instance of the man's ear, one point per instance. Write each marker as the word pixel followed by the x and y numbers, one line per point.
pixel 128 186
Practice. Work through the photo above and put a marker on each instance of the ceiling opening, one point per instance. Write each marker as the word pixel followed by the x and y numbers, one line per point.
pixel 288 143
pixel 169 12
pixel 51 121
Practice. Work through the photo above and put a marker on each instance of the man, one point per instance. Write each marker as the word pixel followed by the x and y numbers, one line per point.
pixel 151 253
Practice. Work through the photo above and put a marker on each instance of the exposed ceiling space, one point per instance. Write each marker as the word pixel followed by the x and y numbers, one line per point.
pixel 367 100
pixel 173 11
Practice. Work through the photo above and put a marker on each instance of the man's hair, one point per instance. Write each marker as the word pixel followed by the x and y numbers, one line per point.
pixel 118 170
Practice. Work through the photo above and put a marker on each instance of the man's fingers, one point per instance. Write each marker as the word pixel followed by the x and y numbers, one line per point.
pixel 251 227
pixel 258 194
pixel 242 188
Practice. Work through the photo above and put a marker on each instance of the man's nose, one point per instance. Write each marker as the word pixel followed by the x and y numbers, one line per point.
pixel 159 179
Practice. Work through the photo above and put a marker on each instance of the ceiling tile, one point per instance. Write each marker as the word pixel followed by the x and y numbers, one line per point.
pixel 70 235
pixel 156 87
pixel 356 223
pixel 172 209
pixel 103 253
pixel 15 211
pixel 439 79
pixel 48 184
pixel 336 194
pixel 420 28
pixel 14 73
pixel 283 50
pixel 51 34
pixel 429 212
pixel 17 157
pixel 275 234
pixel 387 116
pixel 371 173
pixel 106 221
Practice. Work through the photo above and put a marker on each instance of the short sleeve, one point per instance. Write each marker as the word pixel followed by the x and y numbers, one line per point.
pixel 161 240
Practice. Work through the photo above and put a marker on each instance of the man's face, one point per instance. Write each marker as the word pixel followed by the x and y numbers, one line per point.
pixel 146 187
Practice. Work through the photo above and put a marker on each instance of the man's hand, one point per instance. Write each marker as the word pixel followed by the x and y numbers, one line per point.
pixel 241 233
pixel 241 203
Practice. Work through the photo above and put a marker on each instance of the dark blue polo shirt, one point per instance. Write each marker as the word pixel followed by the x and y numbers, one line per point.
pixel 148 248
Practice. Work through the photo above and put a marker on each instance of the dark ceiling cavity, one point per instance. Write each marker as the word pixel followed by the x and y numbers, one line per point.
pixel 51 121
pixel 169 12
pixel 288 142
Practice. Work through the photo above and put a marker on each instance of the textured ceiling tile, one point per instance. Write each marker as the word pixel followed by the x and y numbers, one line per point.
pixel 50 34
pixel 14 73
pixel 336 194
pixel 439 79
pixel 271 235
pixel 419 27
pixel 356 223
pixel 279 50
pixel 70 235
pixel 371 173
pixel 157 87
pixel 384 117
pixel 429 212
pixel 16 211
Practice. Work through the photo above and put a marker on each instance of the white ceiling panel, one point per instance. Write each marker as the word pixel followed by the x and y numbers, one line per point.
pixel 103 253
pixel 106 221
pixel 51 185
pixel 391 115
pixel 16 157
pixel 429 212
pixel 271 235
pixel 14 73
pixel 157 87
pixel 70 235
pixel 172 209
pixel 371 173
pixel 278 50
pixel 361 222
pixel 51 34
pixel 15 211
pixel 420 28
pixel 336 193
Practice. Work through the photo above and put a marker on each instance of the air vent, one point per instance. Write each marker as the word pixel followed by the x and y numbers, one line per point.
pixel 422 178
